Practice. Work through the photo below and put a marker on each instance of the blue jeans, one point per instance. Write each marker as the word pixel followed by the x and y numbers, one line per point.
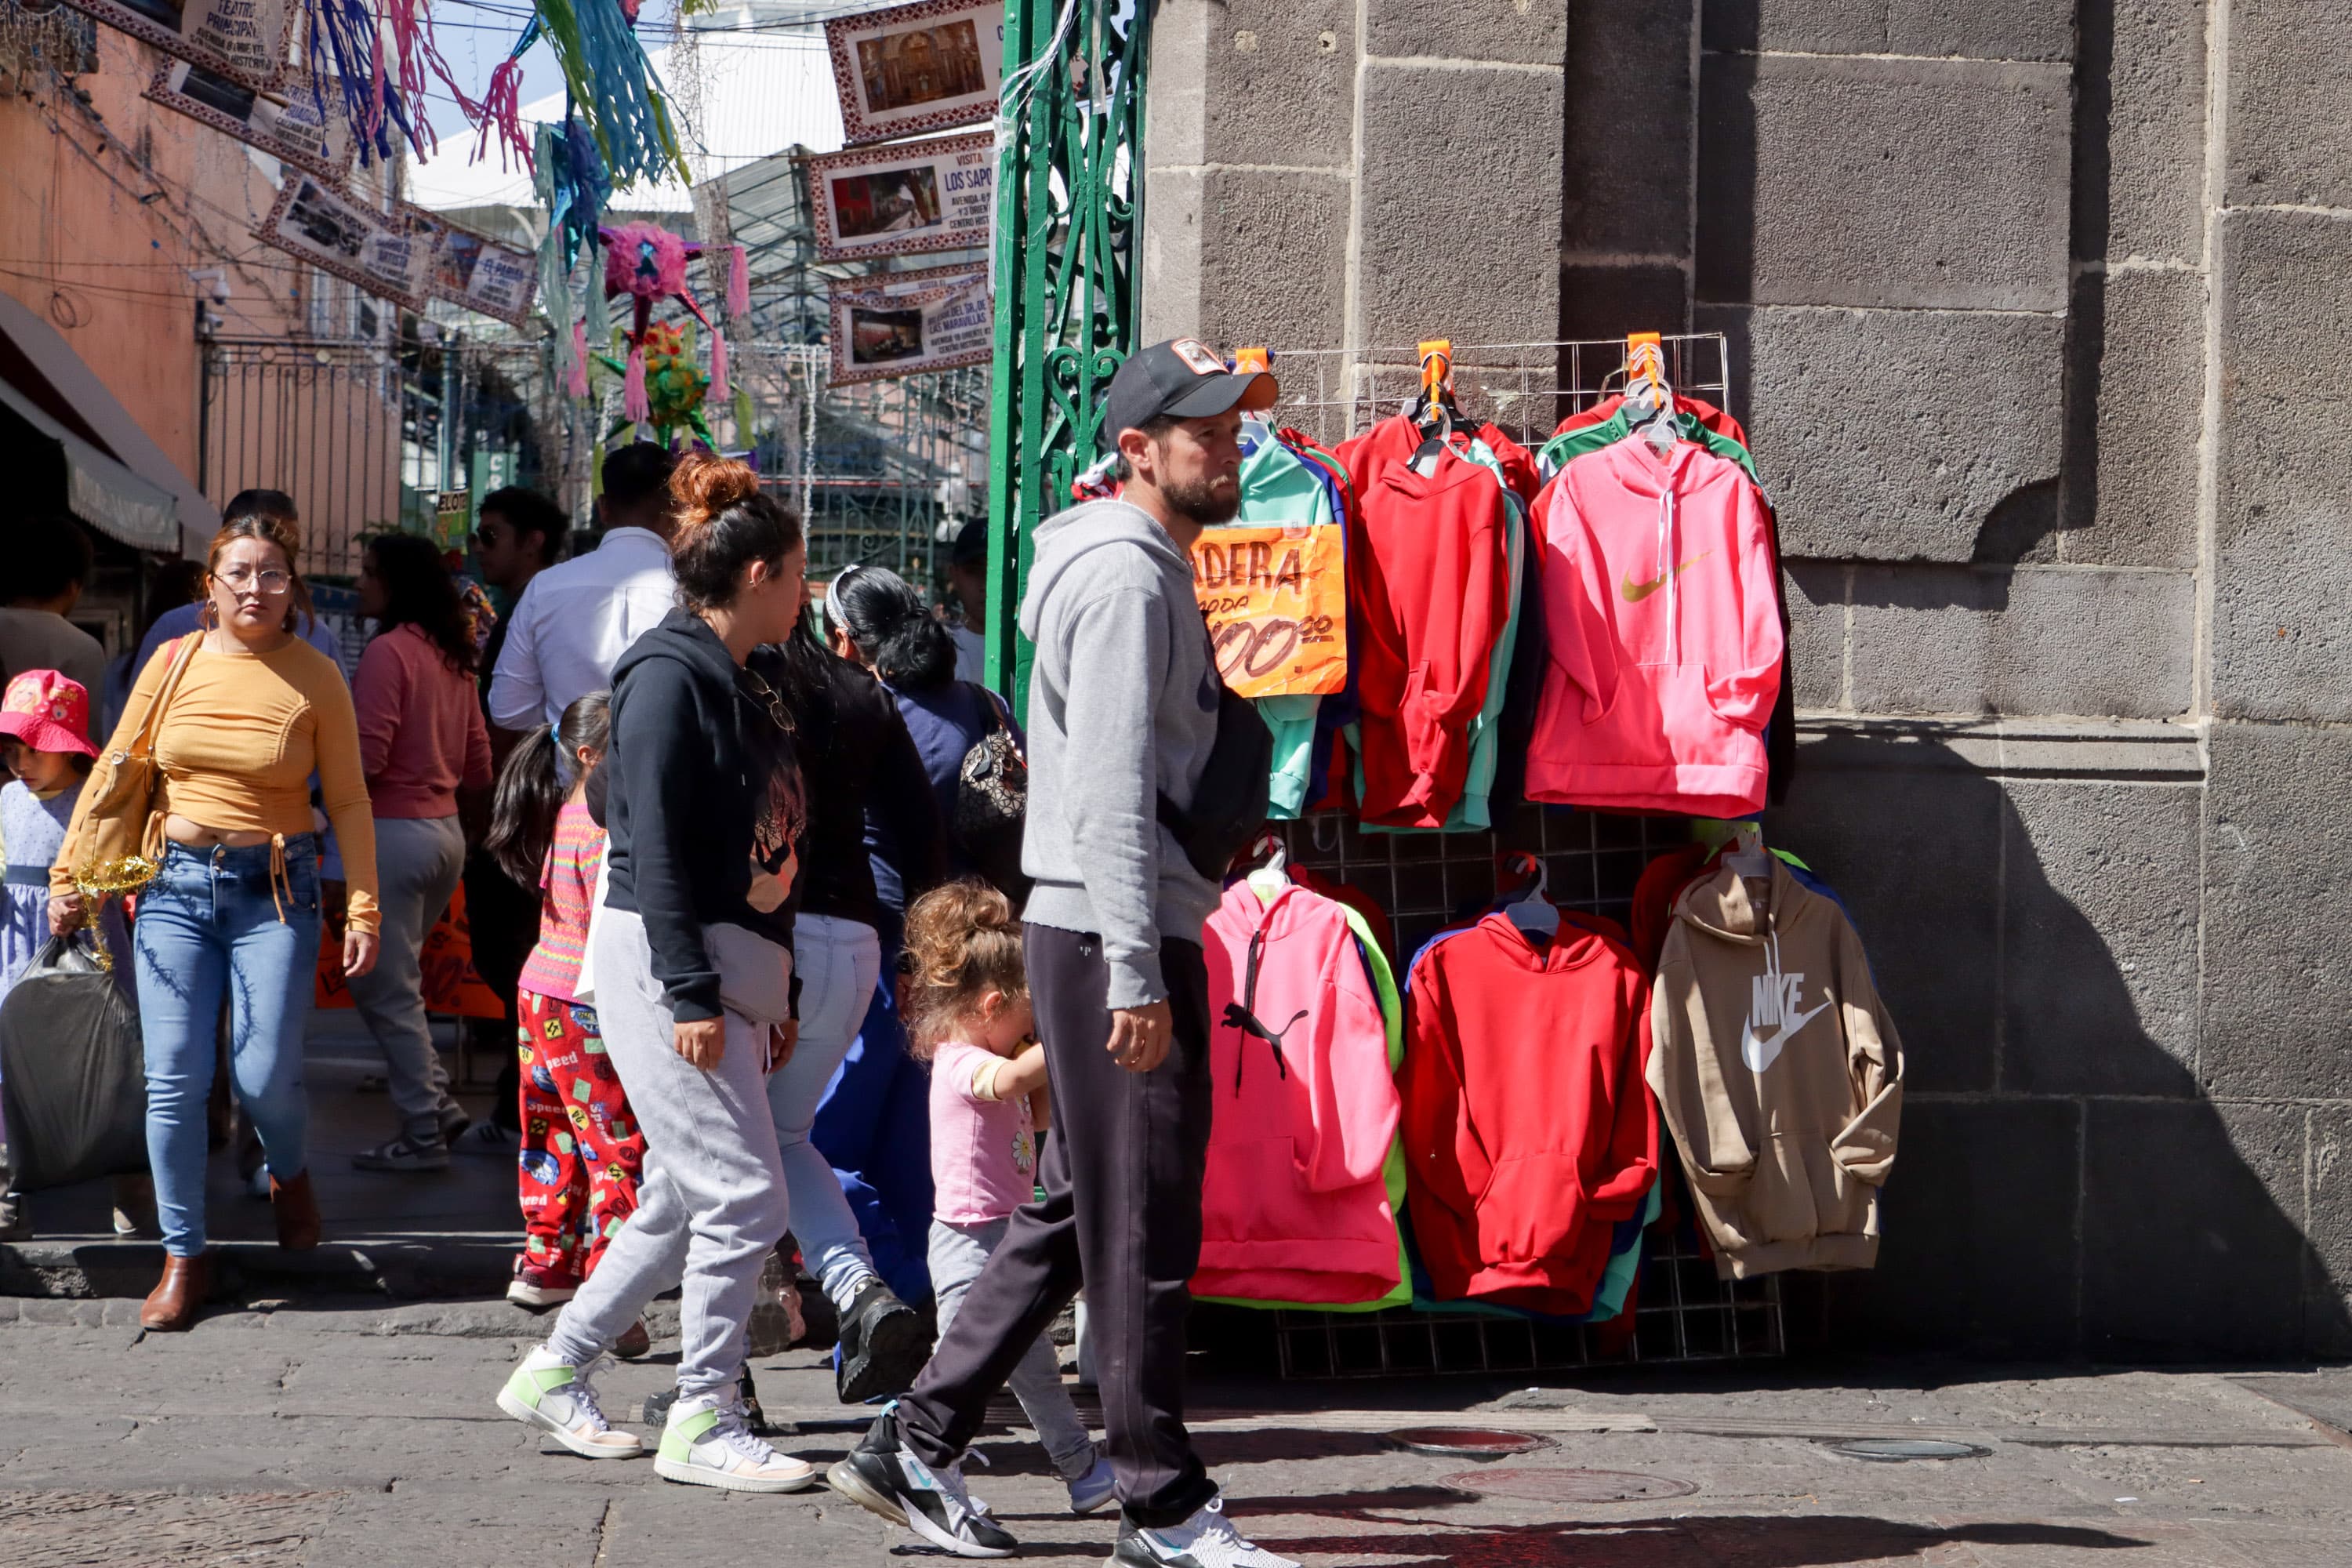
pixel 210 926
pixel 838 961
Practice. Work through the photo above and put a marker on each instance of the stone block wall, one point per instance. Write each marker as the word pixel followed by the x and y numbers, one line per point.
pixel 2041 317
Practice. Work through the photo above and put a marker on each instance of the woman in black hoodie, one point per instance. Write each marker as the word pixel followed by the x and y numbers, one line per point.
pixel 690 962
pixel 857 760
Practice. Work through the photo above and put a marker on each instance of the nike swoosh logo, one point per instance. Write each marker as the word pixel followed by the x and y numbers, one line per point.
pixel 1760 1054
pixel 1635 593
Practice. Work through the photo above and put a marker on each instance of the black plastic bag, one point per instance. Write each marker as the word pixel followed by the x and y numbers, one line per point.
pixel 73 1072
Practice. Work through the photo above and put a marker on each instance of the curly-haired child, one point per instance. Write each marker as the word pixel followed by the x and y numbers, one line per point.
pixel 965 999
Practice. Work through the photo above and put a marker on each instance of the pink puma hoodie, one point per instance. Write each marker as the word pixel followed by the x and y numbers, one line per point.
pixel 1665 634
pixel 1295 1208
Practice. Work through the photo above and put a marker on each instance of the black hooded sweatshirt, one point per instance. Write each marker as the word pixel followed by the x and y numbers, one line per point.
pixel 856 758
pixel 693 765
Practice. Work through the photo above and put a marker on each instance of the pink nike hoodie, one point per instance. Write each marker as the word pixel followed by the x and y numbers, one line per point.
pixel 1295 1208
pixel 1664 630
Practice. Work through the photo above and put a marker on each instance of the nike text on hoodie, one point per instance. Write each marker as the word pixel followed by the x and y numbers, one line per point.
pixel 1665 634
pixel 1121 708
pixel 1779 1072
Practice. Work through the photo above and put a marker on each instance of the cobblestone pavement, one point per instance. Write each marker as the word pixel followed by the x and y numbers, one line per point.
pixel 367 1437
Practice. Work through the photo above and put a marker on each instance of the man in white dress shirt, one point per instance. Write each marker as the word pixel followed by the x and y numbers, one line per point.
pixel 573 621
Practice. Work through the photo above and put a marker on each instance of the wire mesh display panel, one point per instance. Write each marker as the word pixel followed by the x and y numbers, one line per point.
pixel 1428 881
pixel 1681 1314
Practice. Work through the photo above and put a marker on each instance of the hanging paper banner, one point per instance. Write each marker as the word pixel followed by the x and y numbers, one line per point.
pixel 902 323
pixel 388 257
pixel 910 69
pixel 904 199
pixel 479 274
pixel 288 129
pixel 1276 599
pixel 244 40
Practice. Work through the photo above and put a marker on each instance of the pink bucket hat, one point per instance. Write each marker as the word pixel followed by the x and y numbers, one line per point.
pixel 48 713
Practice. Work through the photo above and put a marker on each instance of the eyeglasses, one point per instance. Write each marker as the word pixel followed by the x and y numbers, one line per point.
pixel 487 535
pixel 269 580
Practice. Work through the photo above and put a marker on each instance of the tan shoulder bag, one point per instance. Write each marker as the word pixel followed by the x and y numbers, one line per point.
pixel 125 790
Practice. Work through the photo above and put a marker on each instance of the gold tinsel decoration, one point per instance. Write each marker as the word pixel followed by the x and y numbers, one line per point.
pixel 110 879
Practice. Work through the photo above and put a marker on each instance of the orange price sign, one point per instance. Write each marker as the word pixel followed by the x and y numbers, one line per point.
pixel 1276 599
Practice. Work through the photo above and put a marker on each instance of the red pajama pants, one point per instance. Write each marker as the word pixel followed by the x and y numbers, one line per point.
pixel 582 1151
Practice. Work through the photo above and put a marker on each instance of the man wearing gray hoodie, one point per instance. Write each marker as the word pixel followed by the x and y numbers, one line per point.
pixel 1122 709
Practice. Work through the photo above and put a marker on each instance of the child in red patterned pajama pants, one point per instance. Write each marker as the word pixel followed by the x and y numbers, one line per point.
pixel 581 1151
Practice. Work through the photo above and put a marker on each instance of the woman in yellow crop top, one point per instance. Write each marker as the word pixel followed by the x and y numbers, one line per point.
pixel 235 909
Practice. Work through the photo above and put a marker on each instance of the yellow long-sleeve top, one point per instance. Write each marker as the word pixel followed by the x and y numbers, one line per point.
pixel 237 745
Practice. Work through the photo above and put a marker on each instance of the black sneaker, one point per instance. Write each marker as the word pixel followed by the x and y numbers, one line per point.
pixel 1207 1539
pixel 656 1409
pixel 883 1346
pixel 882 1476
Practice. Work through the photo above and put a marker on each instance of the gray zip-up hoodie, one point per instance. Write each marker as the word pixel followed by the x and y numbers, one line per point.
pixel 1121 707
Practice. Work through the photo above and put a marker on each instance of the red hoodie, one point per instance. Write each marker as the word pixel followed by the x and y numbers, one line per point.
pixel 1529 1130
pixel 1432 582
pixel 1662 615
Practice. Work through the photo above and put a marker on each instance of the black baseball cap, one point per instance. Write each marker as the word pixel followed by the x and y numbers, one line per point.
pixel 1182 377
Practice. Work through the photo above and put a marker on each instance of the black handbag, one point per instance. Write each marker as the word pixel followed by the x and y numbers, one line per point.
pixel 1236 792
pixel 992 802
pixel 73 1072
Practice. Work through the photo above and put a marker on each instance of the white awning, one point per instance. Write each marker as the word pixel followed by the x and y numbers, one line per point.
pixel 101 491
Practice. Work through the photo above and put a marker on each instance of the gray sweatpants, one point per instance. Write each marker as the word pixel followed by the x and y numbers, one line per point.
pixel 956 1254
pixel 710 1202
pixel 417 863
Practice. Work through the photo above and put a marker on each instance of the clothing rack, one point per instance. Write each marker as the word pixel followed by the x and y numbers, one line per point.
pixel 1424 880
pixel 1524 389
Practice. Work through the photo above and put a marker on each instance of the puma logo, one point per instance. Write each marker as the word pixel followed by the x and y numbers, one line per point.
pixel 1635 593
pixel 1775 1000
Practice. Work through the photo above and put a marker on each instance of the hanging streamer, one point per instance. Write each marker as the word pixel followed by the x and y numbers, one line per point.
pixel 635 408
pixel 502 108
pixel 345 31
pixel 739 284
pixel 718 387
pixel 613 83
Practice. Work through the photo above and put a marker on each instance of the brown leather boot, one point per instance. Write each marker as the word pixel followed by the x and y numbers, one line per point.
pixel 173 1305
pixel 297 1210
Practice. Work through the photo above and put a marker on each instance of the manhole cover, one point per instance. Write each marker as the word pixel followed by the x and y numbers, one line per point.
pixel 1467 1442
pixel 1570 1486
pixel 1895 1451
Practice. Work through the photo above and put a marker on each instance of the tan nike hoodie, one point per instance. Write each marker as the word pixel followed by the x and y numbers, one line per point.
pixel 1778 1073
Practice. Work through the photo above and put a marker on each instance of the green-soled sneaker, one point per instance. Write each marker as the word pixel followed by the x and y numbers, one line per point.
pixel 709 1443
pixel 561 1400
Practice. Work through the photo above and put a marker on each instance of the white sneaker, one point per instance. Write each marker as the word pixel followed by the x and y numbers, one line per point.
pixel 709 1443
pixel 561 1399
pixel 1207 1539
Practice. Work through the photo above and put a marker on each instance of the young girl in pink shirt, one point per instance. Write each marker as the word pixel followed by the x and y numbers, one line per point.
pixel 965 998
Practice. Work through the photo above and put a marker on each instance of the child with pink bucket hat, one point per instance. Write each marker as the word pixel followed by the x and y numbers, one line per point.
pixel 44 740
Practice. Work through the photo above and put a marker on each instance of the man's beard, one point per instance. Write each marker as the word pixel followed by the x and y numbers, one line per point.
pixel 1201 503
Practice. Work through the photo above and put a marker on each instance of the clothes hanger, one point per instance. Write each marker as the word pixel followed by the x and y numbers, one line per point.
pixel 1267 881
pixel 1747 855
pixel 1533 912
pixel 1650 400
pixel 1434 410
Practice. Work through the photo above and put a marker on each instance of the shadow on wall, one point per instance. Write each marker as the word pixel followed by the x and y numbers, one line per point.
pixel 2063 1187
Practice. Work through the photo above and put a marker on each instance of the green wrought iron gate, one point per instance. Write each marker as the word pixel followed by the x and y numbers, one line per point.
pixel 1068 278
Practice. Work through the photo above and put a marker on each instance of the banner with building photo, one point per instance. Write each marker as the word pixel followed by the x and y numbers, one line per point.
pixel 244 40
pixel 290 129
pixel 479 274
pixel 904 199
pixel 390 257
pixel 904 323
pixel 910 69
